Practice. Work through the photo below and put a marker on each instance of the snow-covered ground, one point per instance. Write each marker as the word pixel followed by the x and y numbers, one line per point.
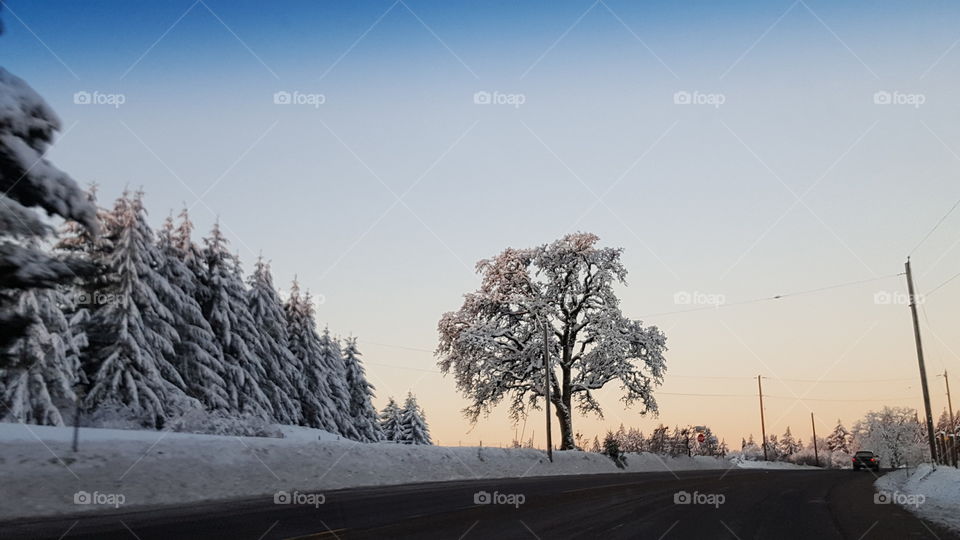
pixel 933 494
pixel 748 464
pixel 134 468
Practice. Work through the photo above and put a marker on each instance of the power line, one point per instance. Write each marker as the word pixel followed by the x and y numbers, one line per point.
pixel 774 297
pixel 942 284
pixel 935 227
pixel 745 377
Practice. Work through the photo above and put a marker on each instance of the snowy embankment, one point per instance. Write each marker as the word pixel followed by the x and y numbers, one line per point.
pixel 931 494
pixel 128 468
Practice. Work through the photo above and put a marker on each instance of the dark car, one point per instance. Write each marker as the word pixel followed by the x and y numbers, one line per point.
pixel 866 458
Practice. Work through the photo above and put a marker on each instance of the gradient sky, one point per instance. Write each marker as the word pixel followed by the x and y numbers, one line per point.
pixel 798 181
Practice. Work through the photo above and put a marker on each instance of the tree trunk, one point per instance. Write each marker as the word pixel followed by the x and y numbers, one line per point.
pixel 564 412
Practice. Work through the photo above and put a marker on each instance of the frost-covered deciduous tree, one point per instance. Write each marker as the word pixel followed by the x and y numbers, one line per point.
pixel 132 331
pixel 225 309
pixel 839 439
pixel 362 412
pixel 493 345
pixel 390 422
pixel 27 181
pixel 894 433
pixel 46 363
pixel 413 423
pixel 198 356
pixel 282 367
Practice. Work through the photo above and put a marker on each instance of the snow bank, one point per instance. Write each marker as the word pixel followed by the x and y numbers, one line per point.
pixel 134 468
pixel 931 494
pixel 780 465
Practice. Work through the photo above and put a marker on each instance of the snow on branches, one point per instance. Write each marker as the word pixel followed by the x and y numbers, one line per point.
pixel 493 345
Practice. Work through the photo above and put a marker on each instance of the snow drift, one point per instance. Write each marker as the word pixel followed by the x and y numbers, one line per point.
pixel 933 494
pixel 155 468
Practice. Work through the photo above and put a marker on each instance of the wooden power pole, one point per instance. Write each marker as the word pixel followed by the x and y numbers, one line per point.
pixel 546 369
pixel 816 455
pixel 923 369
pixel 763 426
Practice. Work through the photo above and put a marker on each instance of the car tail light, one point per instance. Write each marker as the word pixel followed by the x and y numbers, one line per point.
pixel 873 459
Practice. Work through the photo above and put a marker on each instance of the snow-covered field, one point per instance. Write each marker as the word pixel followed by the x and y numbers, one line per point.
pixel 931 494
pixel 134 468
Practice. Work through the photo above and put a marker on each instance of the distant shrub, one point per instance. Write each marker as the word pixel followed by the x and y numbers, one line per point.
pixel 222 423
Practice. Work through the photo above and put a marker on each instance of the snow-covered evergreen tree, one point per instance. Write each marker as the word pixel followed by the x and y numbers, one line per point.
pixel 27 180
pixel 390 422
pixel 362 412
pixel 132 332
pixel 46 364
pixel 282 367
pixel 413 423
pixel 839 439
pixel 788 445
pixel 331 360
pixel 225 308
pixel 199 358
pixel 319 409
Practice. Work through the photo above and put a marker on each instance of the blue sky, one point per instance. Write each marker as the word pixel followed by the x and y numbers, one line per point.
pixel 796 181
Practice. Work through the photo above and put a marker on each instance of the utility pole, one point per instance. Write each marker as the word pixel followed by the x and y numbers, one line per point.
pixel 546 366
pixel 923 369
pixel 763 426
pixel 952 436
pixel 816 455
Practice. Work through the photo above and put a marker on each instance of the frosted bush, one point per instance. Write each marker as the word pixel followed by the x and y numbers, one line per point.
pixel 221 423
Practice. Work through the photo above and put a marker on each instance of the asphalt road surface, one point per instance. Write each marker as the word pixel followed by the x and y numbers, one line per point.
pixel 738 504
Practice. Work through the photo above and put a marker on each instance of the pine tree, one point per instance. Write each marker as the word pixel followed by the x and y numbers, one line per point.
pixel 362 412
pixel 319 411
pixel 282 367
pixel 131 331
pixel 413 424
pixel 331 360
pixel 46 363
pixel 199 358
pixel 28 180
pixel 788 445
pixel 225 309
pixel 390 422
pixel 839 439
